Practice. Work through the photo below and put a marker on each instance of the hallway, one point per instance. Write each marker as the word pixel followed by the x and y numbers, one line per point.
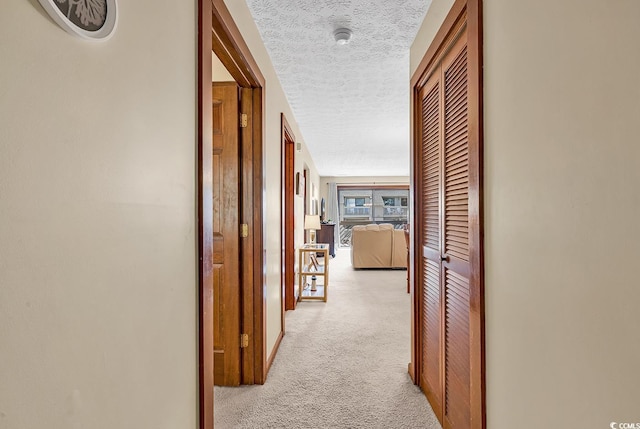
pixel 342 364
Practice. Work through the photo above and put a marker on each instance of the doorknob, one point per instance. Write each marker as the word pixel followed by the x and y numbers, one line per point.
pixel 444 258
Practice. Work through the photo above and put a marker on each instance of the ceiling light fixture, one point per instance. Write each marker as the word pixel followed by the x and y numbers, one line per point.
pixel 342 36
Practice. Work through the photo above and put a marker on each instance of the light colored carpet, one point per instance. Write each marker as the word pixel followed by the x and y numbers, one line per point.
pixel 342 364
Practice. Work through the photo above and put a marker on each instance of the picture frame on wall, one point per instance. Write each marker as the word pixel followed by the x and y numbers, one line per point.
pixel 299 184
pixel 89 20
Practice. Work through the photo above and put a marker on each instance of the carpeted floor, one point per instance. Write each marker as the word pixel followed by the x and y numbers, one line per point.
pixel 342 364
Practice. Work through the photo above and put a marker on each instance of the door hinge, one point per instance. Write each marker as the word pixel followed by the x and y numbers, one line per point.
pixel 244 121
pixel 244 341
pixel 244 230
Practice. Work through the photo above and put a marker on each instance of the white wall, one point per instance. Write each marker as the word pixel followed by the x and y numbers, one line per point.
pixel 275 104
pixel 98 290
pixel 562 205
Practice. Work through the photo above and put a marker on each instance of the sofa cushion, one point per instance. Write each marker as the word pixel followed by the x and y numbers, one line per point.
pixel 399 255
pixel 372 246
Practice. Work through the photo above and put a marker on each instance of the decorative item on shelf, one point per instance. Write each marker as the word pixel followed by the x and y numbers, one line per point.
pixel 316 268
pixel 312 223
pixel 314 262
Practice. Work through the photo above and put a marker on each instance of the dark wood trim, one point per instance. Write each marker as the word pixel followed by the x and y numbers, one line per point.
pixel 230 47
pixel 205 218
pixel 415 237
pixel 464 13
pixel 246 244
pixel 259 299
pixel 476 169
pixel 276 347
pixel 287 165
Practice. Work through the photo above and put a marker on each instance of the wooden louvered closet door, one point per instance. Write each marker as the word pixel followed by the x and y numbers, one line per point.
pixel 455 240
pixel 430 375
pixel 444 280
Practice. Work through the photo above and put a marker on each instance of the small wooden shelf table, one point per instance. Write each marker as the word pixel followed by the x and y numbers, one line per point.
pixel 319 270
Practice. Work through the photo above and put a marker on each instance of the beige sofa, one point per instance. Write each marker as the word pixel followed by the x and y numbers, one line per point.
pixel 378 246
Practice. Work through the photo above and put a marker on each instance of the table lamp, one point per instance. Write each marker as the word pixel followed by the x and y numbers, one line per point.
pixel 312 223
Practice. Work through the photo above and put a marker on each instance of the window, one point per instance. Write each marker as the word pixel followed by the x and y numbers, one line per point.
pixel 370 205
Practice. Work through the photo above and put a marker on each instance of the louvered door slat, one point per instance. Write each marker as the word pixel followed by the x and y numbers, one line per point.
pixel 458 236
pixel 457 162
pixel 457 177
pixel 459 85
pixel 456 112
pixel 431 167
pixel 457 349
pixel 460 171
pixel 431 327
pixel 458 242
pixel 460 151
pixel 464 181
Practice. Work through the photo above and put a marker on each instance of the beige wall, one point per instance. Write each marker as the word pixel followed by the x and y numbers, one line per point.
pixel 437 12
pixel 219 73
pixel 98 291
pixel 562 208
pixel 275 104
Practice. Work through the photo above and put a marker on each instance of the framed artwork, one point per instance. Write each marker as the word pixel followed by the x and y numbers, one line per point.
pixel 88 19
pixel 299 184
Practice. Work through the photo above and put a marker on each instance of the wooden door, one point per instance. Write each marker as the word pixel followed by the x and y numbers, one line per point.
pixel 455 271
pixel 431 168
pixel 226 235
pixel 449 266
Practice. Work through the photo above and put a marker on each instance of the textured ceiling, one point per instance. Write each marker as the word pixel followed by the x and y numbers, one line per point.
pixel 351 101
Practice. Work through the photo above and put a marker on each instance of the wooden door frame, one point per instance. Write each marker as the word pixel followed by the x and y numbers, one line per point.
pixel 287 202
pixel 218 33
pixel 471 12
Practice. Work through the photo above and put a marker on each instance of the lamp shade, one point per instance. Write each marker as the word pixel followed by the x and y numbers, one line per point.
pixel 311 222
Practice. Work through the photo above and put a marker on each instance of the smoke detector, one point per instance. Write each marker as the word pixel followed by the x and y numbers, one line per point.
pixel 342 36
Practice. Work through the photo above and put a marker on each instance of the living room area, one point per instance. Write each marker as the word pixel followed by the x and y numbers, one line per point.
pixel 363 216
